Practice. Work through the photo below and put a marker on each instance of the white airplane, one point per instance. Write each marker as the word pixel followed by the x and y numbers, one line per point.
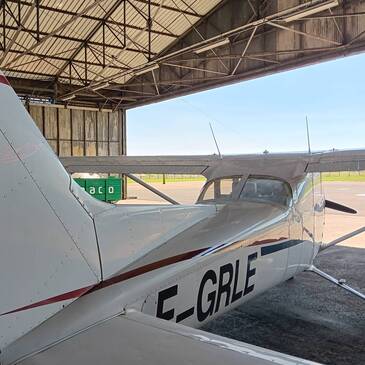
pixel 86 282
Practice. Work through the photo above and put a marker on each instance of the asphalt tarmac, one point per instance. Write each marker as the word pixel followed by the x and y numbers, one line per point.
pixel 306 317
pixel 309 317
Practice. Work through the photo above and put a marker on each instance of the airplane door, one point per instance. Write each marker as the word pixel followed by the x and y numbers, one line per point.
pixel 295 233
pixel 318 208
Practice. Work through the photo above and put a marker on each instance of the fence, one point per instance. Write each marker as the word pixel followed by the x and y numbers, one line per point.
pixel 173 178
pixel 344 176
pixel 167 178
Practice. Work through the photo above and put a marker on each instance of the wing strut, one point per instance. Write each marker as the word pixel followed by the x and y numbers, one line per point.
pixel 341 283
pixel 151 188
pixel 343 238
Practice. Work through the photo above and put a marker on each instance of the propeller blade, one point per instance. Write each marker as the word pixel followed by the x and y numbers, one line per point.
pixel 341 208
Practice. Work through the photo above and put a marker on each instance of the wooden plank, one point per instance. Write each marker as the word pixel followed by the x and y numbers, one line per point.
pixel 90 125
pixel 114 148
pixel 65 148
pixel 113 127
pixel 78 125
pixel 103 127
pixel 77 148
pixel 50 123
pixel 36 112
pixel 90 148
pixel 103 148
pixel 53 145
pixel 78 132
pixel 64 120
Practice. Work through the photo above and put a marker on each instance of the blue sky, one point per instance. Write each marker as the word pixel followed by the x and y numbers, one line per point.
pixel 265 113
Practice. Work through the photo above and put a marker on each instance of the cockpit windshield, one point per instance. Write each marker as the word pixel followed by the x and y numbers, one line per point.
pixel 238 188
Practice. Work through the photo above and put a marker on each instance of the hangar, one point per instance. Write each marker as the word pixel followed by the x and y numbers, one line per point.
pixel 79 65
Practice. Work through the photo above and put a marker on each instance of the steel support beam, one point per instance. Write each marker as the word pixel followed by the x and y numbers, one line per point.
pixel 94 31
pixel 123 145
pixel 33 33
pixel 58 29
pixel 89 17
pixel 269 36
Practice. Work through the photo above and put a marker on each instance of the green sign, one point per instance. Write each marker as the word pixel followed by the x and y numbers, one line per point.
pixel 108 190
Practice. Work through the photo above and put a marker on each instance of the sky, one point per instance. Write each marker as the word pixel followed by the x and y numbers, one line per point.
pixel 267 113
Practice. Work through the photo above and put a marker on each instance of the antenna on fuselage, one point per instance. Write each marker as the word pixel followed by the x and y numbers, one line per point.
pixel 215 140
pixel 308 136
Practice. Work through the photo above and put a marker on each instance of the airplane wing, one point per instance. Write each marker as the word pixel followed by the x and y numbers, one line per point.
pixel 285 165
pixel 138 164
pixel 351 160
pixel 135 338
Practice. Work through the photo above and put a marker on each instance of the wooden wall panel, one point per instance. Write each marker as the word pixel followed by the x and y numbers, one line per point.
pixel 78 132
pixel 113 148
pixel 113 127
pixel 65 148
pixel 103 126
pixel 78 125
pixel 64 122
pixel 77 148
pixel 90 148
pixel 50 123
pixel 90 125
pixel 54 146
pixel 103 149
pixel 36 112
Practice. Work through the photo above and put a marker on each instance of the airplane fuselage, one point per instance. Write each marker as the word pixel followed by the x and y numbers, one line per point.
pixel 218 263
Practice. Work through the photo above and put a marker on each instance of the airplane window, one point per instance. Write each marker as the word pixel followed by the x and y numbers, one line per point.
pixel 228 187
pixel 265 189
pixel 257 189
pixel 209 192
pixel 221 190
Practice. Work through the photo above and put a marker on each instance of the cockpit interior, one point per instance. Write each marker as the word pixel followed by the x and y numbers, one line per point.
pixel 240 188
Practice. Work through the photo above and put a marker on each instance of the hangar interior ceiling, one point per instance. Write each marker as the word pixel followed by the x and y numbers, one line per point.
pixel 125 53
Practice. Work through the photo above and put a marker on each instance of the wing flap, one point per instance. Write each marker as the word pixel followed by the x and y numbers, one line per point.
pixel 135 338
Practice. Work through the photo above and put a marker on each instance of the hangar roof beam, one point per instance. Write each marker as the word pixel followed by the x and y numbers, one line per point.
pixel 49 53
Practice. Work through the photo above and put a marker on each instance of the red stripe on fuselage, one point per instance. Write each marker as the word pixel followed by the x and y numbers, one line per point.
pixel 128 275
pixel 147 268
pixel 114 280
pixel 4 80
pixel 58 298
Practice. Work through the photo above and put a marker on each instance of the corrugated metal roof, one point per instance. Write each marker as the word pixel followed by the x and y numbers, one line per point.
pixel 44 58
